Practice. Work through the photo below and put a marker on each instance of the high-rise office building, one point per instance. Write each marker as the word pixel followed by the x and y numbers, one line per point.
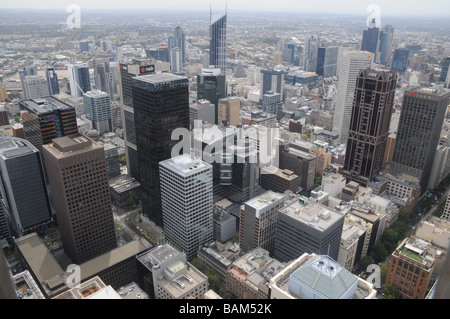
pixel 136 67
pixel 78 178
pixel 97 107
pixel 303 164
pixel 103 77
pixel 371 42
pixel 4 118
pixel 418 133
pixel 236 180
pixel 187 203
pixel 307 227
pixel 24 198
pixel 176 62
pixel 35 86
pixel 112 160
pixel 369 125
pixel 258 222
pixel 47 118
pixel 211 86
pixel 52 80
pixel 29 70
pixel 312 44
pixel 161 105
pixel 386 41
pixel 180 42
pixel 350 63
pixel 444 69
pixel 230 111
pixel 400 60
pixel 79 79
pixel 271 81
pixel 327 60
pixel 203 111
pixel 218 42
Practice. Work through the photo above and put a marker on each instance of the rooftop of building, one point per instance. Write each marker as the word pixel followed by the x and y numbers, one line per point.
pixel 282 173
pixel 256 268
pixel 416 249
pixel 132 291
pixel 185 279
pixel 42 263
pixel 225 253
pixel 185 165
pixel 313 214
pixel 264 200
pixel 302 154
pixel 93 288
pixel 95 94
pixel 44 105
pixel 158 78
pixel 159 255
pixel 326 276
pixel 113 257
pixel 26 287
pixel 123 183
pixel 11 147
pixel 70 145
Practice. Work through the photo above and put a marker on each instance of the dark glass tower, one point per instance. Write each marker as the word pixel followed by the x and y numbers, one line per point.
pixel 211 86
pixel 371 40
pixel 52 80
pixel 180 42
pixel 369 124
pixel 419 128
pixel 127 71
pixel 218 42
pixel 400 60
pixel 161 105
pixel 444 71
pixel 24 198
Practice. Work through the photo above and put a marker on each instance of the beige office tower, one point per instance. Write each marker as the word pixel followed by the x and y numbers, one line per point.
pixel 78 178
pixel 229 109
pixel 349 65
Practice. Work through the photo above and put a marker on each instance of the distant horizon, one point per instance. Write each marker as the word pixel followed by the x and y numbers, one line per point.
pixel 243 11
pixel 388 8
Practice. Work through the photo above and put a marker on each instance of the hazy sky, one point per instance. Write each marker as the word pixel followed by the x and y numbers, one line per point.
pixel 387 7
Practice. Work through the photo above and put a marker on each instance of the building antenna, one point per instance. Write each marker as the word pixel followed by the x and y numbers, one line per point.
pixel 210 13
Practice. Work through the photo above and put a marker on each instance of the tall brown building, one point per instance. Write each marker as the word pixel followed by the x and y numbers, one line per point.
pixel 78 178
pixel 229 110
pixel 369 124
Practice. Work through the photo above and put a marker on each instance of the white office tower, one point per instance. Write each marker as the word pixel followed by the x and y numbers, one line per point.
pixel 350 62
pixel 312 44
pixel 79 79
pixel 187 203
pixel 35 86
pixel 176 61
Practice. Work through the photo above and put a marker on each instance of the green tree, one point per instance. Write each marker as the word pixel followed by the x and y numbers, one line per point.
pixel 379 252
pixel 17 119
pixel 391 291
pixel 365 262
pixel 123 160
pixel 384 267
